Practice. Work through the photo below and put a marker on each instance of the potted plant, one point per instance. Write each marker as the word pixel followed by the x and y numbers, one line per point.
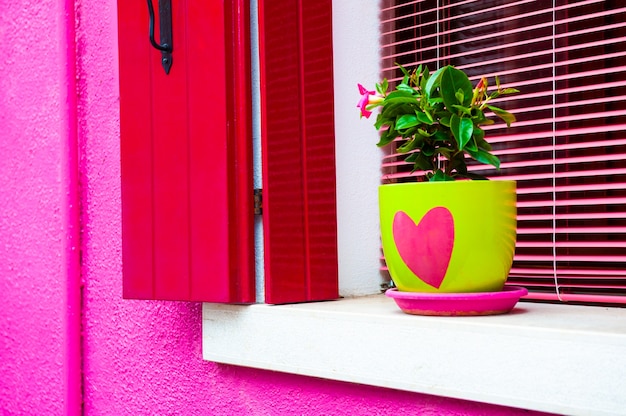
pixel 453 232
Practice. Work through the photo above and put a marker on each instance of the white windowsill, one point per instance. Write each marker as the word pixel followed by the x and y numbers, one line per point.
pixel 554 358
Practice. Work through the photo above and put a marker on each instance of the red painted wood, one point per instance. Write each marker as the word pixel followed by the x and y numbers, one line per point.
pixel 136 154
pixel 207 176
pixel 285 267
pixel 298 151
pixel 170 158
pixel 238 86
pixel 319 130
pixel 186 156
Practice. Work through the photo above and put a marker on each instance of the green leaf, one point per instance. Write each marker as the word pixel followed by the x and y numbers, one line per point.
pixel 460 96
pixel 479 137
pixel 411 158
pixel 390 102
pixel 434 101
pixel 387 136
pixel 453 80
pixel 433 81
pixel 503 114
pixel 440 136
pixel 418 71
pixel 484 156
pixel 392 111
pixel 407 133
pixel 406 121
pixel 424 117
pixel 463 109
pixel 457 163
pixel 384 141
pixel 410 144
pixel 420 162
pixel 401 94
pixel 500 92
pixel 381 88
pixel 471 146
pixel 406 88
pixel 424 133
pixel 483 144
pixel 478 116
pixel 428 149
pixel 439 176
pixel 462 129
pixel 381 120
pixel 445 152
pixel 403 69
pixel 424 79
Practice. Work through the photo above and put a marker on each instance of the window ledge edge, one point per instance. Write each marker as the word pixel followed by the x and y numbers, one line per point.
pixel 553 358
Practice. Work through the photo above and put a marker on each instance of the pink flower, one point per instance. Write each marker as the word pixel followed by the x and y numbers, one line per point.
pixel 367 98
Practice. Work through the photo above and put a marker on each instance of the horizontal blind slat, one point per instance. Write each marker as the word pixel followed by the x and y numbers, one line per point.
pixel 609 273
pixel 573 230
pixel 570 202
pixel 572 244
pixel 584 298
pixel 569 216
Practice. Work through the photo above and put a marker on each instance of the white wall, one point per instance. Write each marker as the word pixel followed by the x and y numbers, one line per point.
pixel 356 60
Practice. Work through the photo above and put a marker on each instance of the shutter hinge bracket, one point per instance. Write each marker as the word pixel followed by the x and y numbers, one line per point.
pixel 258 201
pixel 165 28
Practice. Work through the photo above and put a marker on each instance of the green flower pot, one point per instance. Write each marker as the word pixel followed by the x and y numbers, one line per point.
pixel 449 237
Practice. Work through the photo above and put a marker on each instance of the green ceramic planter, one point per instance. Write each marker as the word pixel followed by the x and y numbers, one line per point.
pixel 451 237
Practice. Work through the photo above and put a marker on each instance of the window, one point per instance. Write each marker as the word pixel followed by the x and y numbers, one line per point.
pixel 567 149
pixel 368 340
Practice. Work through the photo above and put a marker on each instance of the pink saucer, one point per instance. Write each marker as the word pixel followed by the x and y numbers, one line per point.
pixel 458 304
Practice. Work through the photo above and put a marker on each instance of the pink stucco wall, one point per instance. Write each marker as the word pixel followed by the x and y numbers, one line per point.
pixel 137 357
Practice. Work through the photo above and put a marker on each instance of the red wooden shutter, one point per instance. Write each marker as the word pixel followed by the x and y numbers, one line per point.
pixel 298 150
pixel 568 148
pixel 186 154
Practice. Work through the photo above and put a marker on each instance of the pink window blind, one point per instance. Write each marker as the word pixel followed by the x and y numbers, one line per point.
pixel 567 149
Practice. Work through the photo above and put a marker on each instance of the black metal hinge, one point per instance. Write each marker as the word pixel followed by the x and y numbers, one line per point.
pixel 258 201
pixel 165 29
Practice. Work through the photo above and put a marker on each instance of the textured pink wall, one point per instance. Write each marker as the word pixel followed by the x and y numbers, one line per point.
pixel 139 358
pixel 39 361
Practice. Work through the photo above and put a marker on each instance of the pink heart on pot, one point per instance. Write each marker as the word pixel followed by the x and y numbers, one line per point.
pixel 426 248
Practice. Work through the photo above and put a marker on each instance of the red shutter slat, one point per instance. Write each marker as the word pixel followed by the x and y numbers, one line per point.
pixel 186 157
pixel 283 205
pixel 206 177
pixel 298 151
pixel 319 127
pixel 170 161
pixel 137 176
pixel 238 87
